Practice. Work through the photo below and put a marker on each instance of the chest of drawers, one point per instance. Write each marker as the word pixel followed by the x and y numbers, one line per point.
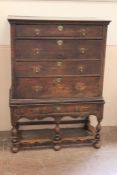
pixel 57 71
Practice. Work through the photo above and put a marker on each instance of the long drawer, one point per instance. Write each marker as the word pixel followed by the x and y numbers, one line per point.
pixel 58 30
pixel 55 68
pixel 57 87
pixel 35 111
pixel 58 49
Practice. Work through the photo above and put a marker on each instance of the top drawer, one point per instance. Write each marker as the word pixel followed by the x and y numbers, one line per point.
pixel 38 30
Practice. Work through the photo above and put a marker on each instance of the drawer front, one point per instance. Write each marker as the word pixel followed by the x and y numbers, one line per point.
pixel 53 109
pixel 58 30
pixel 58 49
pixel 57 87
pixel 56 68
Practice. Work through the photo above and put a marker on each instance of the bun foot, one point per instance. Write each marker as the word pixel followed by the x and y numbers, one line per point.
pixel 15 149
pixel 97 145
pixel 57 147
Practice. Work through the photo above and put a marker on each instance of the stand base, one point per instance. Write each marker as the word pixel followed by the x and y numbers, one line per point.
pixel 44 138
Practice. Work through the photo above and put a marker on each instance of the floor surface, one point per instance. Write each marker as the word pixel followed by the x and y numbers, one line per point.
pixel 68 161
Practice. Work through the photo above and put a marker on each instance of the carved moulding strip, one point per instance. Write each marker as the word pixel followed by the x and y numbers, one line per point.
pixel 19 115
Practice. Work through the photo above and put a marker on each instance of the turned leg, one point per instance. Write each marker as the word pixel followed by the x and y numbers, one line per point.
pixel 15 139
pixel 97 143
pixel 57 137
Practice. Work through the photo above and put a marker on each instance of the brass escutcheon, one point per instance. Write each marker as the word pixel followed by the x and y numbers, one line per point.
pixel 83 32
pixel 81 68
pixel 77 108
pixel 58 80
pixel 60 42
pixel 83 50
pixel 36 69
pixel 36 51
pixel 59 63
pixel 80 86
pixel 37 88
pixel 58 108
pixel 37 31
pixel 60 28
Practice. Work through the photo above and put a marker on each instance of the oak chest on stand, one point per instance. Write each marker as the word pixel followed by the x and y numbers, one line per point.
pixel 57 80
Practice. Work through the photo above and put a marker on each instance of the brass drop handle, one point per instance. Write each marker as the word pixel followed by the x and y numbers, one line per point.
pixel 37 31
pixel 81 68
pixel 36 69
pixel 83 32
pixel 83 50
pixel 60 42
pixel 37 88
pixel 60 28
